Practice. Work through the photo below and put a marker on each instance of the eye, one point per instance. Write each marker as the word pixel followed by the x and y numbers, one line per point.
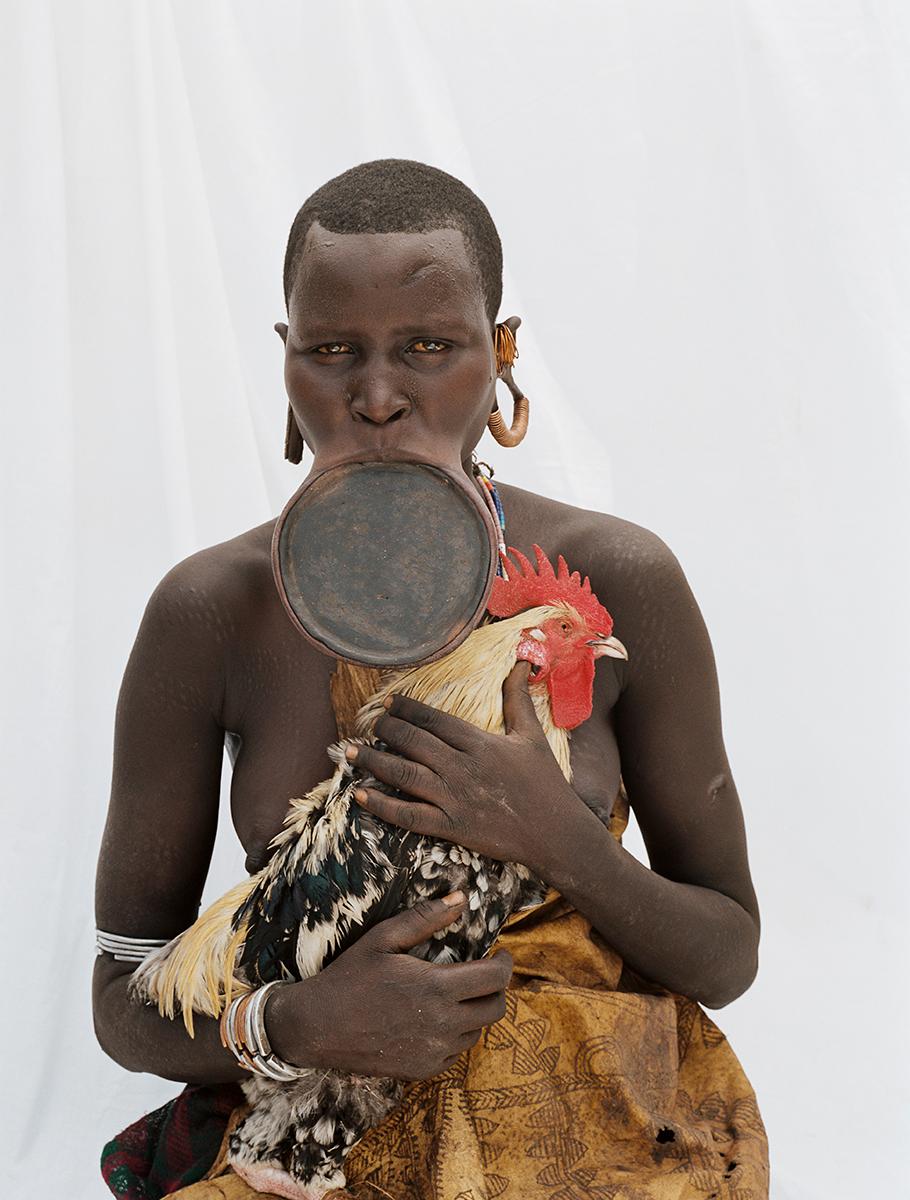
pixel 565 626
pixel 333 348
pixel 440 346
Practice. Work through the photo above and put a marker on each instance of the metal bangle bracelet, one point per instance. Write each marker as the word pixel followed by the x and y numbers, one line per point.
pixel 127 949
pixel 256 1038
pixel 243 1033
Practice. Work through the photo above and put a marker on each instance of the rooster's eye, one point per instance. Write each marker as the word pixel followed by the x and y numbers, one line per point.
pixel 564 626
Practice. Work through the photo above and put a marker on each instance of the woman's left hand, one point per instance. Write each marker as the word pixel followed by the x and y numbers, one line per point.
pixel 499 795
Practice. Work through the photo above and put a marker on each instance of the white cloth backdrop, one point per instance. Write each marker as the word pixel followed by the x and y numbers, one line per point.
pixel 704 209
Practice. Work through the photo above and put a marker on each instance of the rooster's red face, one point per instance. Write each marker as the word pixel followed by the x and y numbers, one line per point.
pixel 562 650
pixel 563 647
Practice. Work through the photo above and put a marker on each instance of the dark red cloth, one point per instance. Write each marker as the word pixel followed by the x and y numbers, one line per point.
pixel 171 1147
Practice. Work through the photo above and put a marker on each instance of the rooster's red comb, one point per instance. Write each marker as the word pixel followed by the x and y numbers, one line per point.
pixel 525 588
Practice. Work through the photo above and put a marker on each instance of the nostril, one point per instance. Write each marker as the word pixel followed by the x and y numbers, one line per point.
pixel 379 416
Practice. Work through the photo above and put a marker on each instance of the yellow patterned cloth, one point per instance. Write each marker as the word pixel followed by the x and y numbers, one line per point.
pixel 594 1086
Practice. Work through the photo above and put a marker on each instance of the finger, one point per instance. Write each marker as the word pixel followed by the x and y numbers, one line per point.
pixel 462 735
pixel 518 712
pixel 451 1060
pixel 474 1014
pixel 398 772
pixel 469 1038
pixel 415 743
pixel 482 977
pixel 406 814
pixel 409 928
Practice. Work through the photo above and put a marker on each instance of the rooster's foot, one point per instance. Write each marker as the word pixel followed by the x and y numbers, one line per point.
pixel 273 1179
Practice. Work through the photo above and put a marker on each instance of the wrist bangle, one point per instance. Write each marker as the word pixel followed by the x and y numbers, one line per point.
pixel 242 1028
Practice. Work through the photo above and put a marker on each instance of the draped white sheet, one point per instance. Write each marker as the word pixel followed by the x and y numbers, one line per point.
pixel 704 210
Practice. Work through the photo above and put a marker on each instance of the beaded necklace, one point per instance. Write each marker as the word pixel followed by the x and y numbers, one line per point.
pixel 491 495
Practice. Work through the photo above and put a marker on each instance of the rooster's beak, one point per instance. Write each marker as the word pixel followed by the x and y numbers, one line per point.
pixel 610 646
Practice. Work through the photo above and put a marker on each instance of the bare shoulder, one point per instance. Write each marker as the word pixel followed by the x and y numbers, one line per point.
pixel 217 578
pixel 216 592
pixel 203 613
pixel 615 552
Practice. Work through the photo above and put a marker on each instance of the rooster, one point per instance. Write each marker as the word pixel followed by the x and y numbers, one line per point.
pixel 336 870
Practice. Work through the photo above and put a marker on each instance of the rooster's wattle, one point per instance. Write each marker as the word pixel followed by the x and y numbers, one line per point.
pixel 336 870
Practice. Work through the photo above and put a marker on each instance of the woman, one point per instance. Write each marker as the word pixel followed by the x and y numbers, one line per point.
pixel 393 282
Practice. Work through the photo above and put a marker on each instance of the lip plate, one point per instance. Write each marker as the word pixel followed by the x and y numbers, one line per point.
pixel 385 563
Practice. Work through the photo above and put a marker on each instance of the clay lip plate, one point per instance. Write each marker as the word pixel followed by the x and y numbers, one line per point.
pixel 385 563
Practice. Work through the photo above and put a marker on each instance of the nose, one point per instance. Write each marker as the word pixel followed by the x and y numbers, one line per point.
pixel 379 402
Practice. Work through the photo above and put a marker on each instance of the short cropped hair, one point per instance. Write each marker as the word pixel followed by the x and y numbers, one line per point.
pixel 400 195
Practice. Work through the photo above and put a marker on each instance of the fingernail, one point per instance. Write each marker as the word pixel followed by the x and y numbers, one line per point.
pixel 351 753
pixel 453 898
pixel 387 703
pixel 360 796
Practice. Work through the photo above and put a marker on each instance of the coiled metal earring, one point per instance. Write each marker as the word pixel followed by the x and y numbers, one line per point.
pixel 506 353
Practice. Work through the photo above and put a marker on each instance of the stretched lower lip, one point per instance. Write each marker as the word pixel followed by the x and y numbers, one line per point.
pixel 382 445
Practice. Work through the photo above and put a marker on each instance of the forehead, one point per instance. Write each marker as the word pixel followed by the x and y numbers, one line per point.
pixel 337 270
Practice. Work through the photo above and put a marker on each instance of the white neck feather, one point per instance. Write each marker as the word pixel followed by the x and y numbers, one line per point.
pixel 467 682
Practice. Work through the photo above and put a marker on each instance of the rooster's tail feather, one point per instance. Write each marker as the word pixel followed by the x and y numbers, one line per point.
pixel 196 970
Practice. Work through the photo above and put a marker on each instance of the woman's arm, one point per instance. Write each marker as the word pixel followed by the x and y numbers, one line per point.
pixel 691 922
pixel 162 818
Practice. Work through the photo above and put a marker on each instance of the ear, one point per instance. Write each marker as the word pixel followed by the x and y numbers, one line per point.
pixel 294 440
pixel 282 330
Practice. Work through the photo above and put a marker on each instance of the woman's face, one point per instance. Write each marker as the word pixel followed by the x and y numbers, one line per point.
pixel 388 346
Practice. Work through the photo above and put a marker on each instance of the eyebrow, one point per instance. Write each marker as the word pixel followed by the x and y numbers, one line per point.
pixel 424 324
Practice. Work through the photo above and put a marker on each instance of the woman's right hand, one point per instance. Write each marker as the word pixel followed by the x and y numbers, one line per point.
pixel 377 1010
